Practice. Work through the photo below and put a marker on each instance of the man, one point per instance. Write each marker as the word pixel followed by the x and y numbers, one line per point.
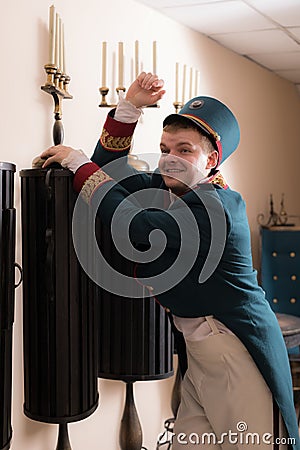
pixel 202 273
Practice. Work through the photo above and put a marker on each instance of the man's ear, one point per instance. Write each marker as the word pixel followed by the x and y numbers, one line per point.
pixel 212 160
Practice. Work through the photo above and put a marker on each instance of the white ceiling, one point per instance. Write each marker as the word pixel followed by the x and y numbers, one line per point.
pixel 265 31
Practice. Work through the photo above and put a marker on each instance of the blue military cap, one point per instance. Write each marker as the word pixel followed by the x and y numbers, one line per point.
pixel 214 119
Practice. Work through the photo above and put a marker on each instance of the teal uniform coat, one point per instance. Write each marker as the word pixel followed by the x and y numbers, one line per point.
pixel 231 293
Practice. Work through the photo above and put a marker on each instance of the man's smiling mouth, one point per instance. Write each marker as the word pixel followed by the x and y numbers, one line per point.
pixel 173 171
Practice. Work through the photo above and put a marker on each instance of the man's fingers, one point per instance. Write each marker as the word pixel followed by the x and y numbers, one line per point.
pixel 158 95
pixel 147 80
pixel 45 153
pixel 55 153
pixel 157 85
pixel 49 161
pixel 50 151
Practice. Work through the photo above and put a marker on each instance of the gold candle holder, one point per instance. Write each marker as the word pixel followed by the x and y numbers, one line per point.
pixel 57 78
pixel 104 91
pixel 57 82
pixel 61 81
pixel 177 106
pixel 120 89
pixel 66 84
pixel 51 71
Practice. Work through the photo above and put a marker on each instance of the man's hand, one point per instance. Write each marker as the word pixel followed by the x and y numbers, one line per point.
pixel 66 156
pixel 57 153
pixel 146 90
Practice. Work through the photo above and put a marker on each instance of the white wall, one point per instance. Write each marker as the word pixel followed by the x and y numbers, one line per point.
pixel 268 109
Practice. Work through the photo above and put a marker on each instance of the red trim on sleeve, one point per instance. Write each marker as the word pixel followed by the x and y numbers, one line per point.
pixel 116 128
pixel 83 173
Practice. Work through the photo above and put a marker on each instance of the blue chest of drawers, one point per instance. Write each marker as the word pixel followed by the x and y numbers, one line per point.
pixel 280 268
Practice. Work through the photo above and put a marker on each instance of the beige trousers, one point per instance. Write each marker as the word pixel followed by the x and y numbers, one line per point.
pixel 225 401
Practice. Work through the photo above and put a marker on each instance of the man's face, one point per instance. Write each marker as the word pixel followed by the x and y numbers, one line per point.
pixel 184 162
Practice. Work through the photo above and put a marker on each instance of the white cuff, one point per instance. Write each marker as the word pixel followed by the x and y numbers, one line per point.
pixel 74 160
pixel 126 112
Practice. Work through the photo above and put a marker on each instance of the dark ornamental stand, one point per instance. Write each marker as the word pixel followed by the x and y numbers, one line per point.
pixel 7 287
pixel 59 322
pixel 135 342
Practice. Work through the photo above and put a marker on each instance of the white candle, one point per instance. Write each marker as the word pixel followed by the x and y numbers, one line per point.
pixel 64 49
pixel 183 83
pixel 136 59
pixel 154 58
pixel 176 82
pixel 52 35
pixel 191 83
pixel 121 64
pixel 132 70
pixel 57 39
pixel 61 46
pixel 104 57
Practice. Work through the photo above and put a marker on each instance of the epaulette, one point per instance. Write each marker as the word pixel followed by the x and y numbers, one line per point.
pixel 219 180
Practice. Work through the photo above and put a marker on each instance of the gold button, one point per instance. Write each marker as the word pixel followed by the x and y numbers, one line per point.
pixel 292 254
pixel 275 277
pixel 274 254
pixel 293 300
pixel 293 277
pixel 275 300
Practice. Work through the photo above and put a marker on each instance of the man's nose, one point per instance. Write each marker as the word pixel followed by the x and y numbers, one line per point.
pixel 171 157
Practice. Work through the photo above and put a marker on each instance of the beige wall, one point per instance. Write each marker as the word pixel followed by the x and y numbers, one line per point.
pixel 268 109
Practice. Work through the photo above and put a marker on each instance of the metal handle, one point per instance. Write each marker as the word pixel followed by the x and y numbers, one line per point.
pixel 21 274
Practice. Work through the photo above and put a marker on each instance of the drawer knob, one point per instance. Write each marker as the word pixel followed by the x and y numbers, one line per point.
pixel 275 277
pixel 293 300
pixel 292 254
pixel 274 254
pixel 275 300
pixel 293 277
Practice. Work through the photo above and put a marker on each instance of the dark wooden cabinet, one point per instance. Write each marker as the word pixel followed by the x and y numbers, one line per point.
pixel 280 268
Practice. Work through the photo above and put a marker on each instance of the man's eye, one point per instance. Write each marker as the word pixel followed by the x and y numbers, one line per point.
pixel 164 151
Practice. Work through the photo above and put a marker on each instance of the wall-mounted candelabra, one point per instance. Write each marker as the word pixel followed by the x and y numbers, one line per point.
pixel 104 89
pixel 57 85
pixel 57 81
pixel 275 219
pixel 181 75
pixel 194 76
